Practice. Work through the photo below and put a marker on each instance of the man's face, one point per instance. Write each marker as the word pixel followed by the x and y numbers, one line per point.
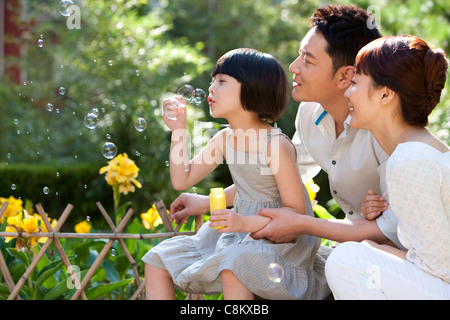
pixel 313 70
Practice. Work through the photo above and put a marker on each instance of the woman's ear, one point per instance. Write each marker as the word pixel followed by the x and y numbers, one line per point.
pixel 387 95
pixel 345 75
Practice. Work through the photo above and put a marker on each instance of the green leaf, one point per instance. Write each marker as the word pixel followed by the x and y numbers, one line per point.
pixel 19 255
pixel 323 213
pixel 111 272
pixel 62 288
pixel 47 272
pixel 4 289
pixel 100 290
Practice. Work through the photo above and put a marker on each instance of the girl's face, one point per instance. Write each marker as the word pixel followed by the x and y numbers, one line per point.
pixel 224 96
pixel 361 101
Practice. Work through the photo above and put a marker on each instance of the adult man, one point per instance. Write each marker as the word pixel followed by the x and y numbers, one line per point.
pixel 352 158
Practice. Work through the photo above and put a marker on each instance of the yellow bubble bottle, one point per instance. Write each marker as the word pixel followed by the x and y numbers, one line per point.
pixel 217 201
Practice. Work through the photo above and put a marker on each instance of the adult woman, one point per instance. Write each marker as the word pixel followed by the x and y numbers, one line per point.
pixel 398 82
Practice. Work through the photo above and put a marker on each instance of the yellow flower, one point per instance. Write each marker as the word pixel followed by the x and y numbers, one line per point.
pixel 122 171
pixel 82 227
pixel 16 221
pixel 14 207
pixel 151 218
pixel 25 223
pixel 42 226
pixel 312 189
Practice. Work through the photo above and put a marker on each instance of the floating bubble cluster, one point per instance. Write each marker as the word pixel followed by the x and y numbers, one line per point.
pixel 187 93
pixel 191 95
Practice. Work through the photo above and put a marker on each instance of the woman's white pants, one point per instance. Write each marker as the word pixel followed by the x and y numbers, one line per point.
pixel 358 271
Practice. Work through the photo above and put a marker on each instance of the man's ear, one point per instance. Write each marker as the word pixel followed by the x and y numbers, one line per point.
pixel 344 76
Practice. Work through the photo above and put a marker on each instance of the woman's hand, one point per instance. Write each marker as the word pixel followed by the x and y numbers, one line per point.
pixel 283 226
pixel 373 205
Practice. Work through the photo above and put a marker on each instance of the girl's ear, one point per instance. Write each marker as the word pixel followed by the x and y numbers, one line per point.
pixel 344 76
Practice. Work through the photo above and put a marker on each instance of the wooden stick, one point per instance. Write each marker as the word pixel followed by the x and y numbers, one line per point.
pixel 3 208
pixel 162 211
pixel 3 267
pixel 41 252
pixel 59 247
pixel 121 242
pixel 138 291
pixel 100 256
pixel 115 236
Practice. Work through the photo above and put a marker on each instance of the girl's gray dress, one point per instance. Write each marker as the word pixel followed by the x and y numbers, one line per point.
pixel 293 270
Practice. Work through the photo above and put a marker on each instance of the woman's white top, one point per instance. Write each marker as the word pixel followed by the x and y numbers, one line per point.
pixel 418 182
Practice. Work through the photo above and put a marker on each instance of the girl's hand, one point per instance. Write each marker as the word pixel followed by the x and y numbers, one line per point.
pixel 373 205
pixel 188 204
pixel 174 113
pixel 226 220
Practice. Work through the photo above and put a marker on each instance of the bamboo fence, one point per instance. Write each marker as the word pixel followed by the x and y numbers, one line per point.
pixel 53 236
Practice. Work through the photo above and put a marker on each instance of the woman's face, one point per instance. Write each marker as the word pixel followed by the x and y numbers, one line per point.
pixel 361 102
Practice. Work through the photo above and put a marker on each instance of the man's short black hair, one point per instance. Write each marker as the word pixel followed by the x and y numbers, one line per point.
pixel 346 29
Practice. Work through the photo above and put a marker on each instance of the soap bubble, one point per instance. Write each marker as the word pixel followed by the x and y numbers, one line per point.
pixel 49 107
pixel 13 187
pixel 109 150
pixel 140 124
pixel 40 43
pixel 171 111
pixel 199 96
pixel 45 190
pixel 90 120
pixel 275 272
pixel 63 6
pixel 186 92
pixel 113 252
pixel 191 95
pixel 62 91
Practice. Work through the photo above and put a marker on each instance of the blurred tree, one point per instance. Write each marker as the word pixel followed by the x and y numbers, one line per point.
pixel 129 54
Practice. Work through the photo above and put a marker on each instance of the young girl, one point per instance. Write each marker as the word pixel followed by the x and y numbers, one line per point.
pixel 248 87
pixel 398 82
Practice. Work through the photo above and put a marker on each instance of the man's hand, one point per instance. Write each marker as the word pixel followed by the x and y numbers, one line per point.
pixel 373 205
pixel 188 204
pixel 283 227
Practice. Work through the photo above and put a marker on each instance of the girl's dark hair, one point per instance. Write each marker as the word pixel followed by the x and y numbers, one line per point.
pixel 408 66
pixel 264 85
pixel 346 28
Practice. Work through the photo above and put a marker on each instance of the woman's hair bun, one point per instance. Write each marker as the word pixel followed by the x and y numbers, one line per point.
pixel 435 71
